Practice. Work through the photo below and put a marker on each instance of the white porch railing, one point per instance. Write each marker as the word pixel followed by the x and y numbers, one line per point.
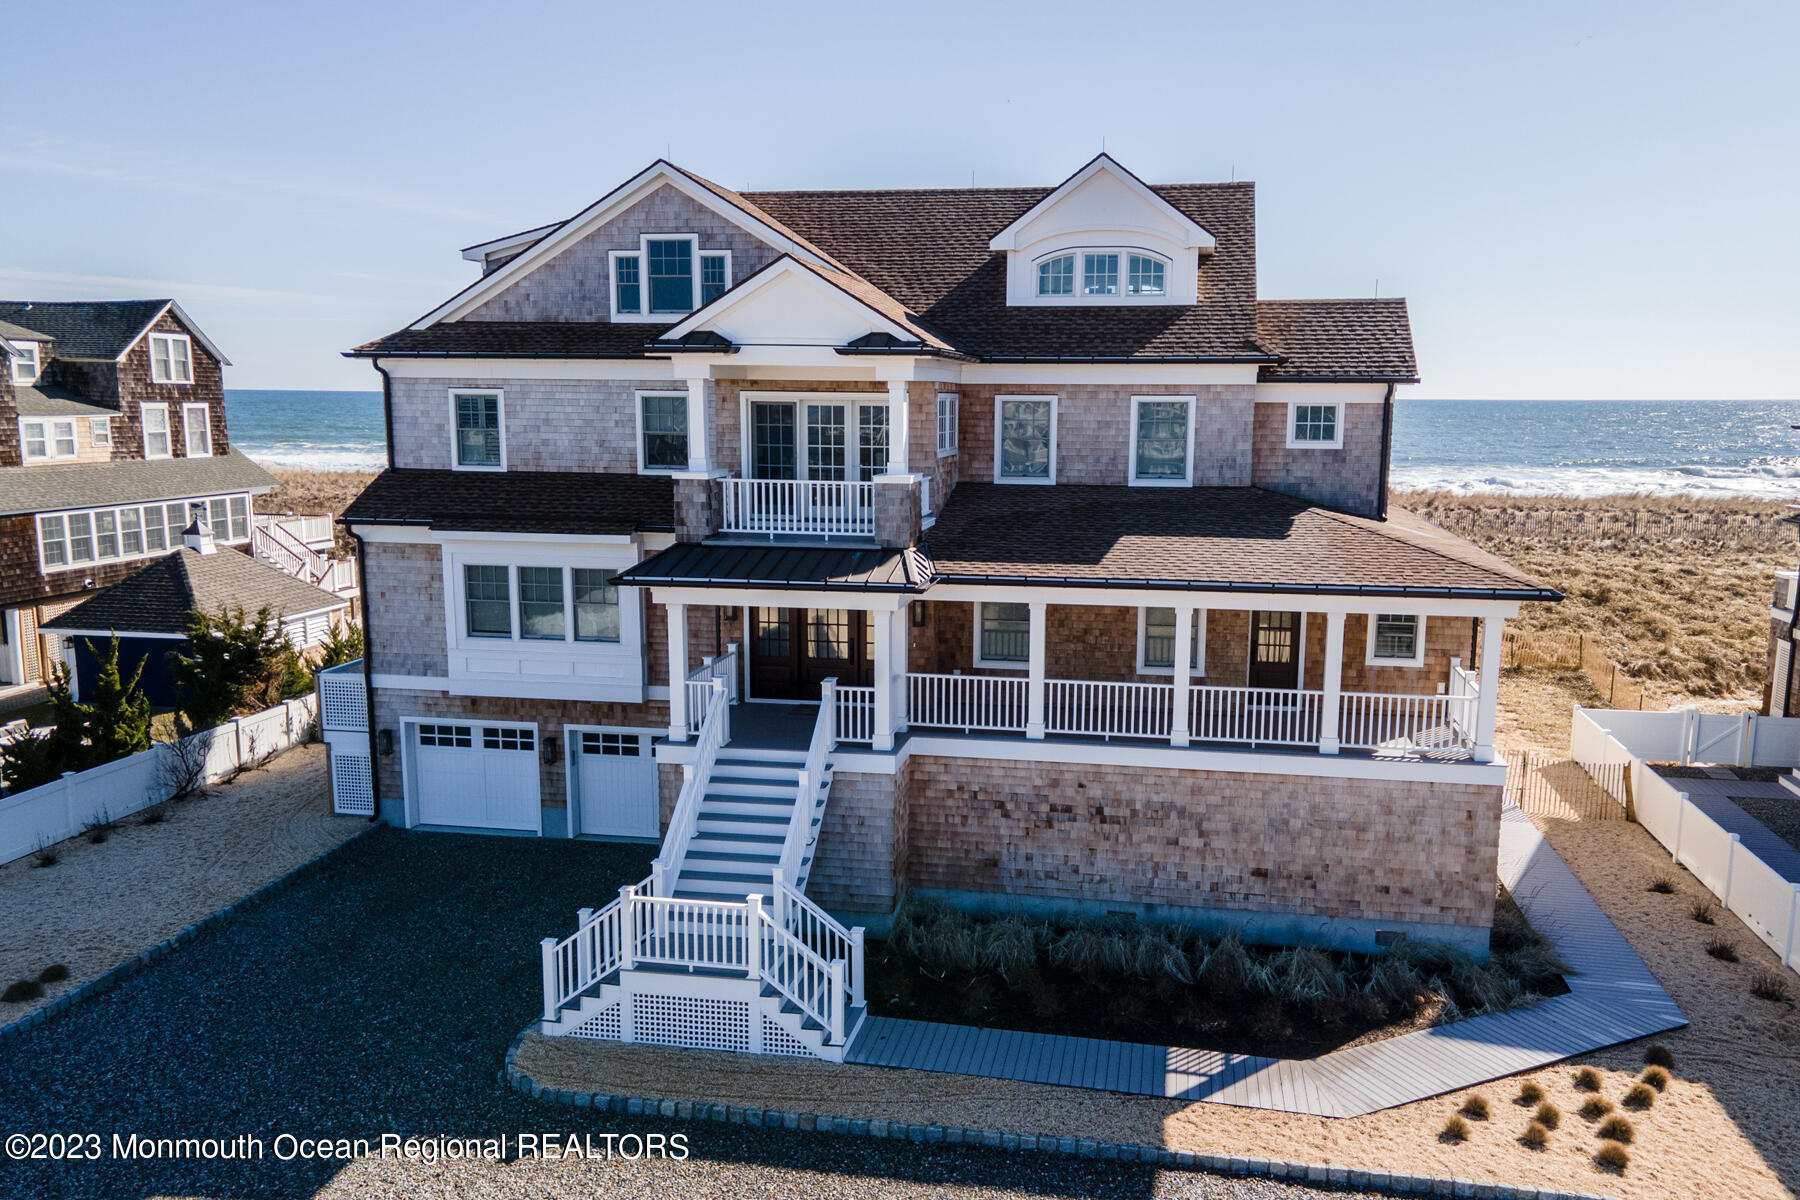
pixel 799 506
pixel 1378 720
pixel 1109 710
pixel 855 714
pixel 1258 716
pixel 724 668
pixel 715 731
pixel 800 835
pixel 988 703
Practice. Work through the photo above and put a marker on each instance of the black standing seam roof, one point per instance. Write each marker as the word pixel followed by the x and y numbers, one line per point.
pixel 851 568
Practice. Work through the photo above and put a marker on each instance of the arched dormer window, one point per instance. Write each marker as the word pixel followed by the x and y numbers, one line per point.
pixel 1146 277
pixel 1056 276
pixel 1102 274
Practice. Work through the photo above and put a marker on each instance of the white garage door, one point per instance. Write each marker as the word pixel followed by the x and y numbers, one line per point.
pixel 484 776
pixel 614 778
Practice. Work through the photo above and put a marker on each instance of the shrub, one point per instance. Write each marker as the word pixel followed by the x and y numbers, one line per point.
pixel 229 665
pixel 1548 1115
pixel 153 816
pixel 54 973
pixel 1529 1094
pixel 45 855
pixel 1587 1080
pixel 1657 1078
pixel 1658 1055
pixel 1640 1096
pixel 1612 1157
pixel 1475 1107
pixel 1616 1129
pixel 21 990
pixel 1722 949
pixel 1455 1130
pixel 343 643
pixel 1703 910
pixel 1593 1108
pixel 100 828
pixel 1770 985
pixel 1662 885
pixel 1535 1136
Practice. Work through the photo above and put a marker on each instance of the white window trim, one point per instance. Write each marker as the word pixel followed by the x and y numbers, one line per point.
pixel 172 338
pixel 853 402
pixel 612 286
pixel 1037 275
pixel 642 313
pixel 955 423
pixel 700 273
pixel 223 539
pixel 1123 296
pixel 1187 474
pixel 1336 443
pixel 999 402
pixel 49 439
pixel 499 395
pixel 100 431
pixel 188 426
pixel 1198 670
pixel 638 405
pixel 1413 663
pixel 997 664
pixel 168 429
pixel 25 378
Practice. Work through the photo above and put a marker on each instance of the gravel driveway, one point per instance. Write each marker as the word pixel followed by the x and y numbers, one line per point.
pixel 379 996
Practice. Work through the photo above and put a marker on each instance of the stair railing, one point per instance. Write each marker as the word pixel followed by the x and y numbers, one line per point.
pixel 812 774
pixel 816 987
pixel 714 732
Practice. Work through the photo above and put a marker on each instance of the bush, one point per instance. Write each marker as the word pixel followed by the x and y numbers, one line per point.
pixel 1613 1157
pixel 1587 1080
pixel 1475 1107
pixel 21 990
pixel 1640 1096
pixel 343 643
pixel 1529 1094
pixel 1593 1108
pixel 1657 1078
pixel 1535 1136
pixel 1722 949
pixel 1662 885
pixel 153 816
pixel 112 723
pixel 1616 1129
pixel 1703 910
pixel 1548 1115
pixel 1455 1130
pixel 45 855
pixel 229 665
pixel 1658 1055
pixel 54 973
pixel 1770 985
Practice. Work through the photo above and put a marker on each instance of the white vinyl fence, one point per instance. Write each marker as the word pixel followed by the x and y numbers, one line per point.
pixel 1745 885
pixel 79 800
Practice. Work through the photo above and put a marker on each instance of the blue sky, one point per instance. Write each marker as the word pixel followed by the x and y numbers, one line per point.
pixel 1578 200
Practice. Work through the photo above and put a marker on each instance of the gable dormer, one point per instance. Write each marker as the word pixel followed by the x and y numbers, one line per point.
pixel 1103 237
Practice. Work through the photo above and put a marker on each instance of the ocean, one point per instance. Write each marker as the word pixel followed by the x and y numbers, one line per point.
pixel 1554 447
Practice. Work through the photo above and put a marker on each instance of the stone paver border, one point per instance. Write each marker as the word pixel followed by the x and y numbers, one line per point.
pixel 1318 1174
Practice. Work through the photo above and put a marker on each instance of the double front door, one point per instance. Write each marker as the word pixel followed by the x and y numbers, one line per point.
pixel 793 650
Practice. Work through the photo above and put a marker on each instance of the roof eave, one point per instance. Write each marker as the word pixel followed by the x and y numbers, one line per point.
pixel 1317 589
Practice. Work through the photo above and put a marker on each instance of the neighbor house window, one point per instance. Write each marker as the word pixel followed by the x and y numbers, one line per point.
pixel 1314 425
pixel 627 286
pixel 1146 278
pixel 240 518
pixel 53 541
pixel 1005 635
pixel 110 534
pixel 715 276
pixel 541 603
pixel 479 444
pixel 156 431
pixel 488 598
pixel 1163 431
pixel 196 423
pixel 99 431
pixel 1396 640
pixel 1056 277
pixel 670 267
pixel 946 423
pixel 1100 275
pixel 596 605
pixel 25 363
pixel 664 442
pixel 171 358
pixel 1156 645
pixel 48 440
pixel 1025 441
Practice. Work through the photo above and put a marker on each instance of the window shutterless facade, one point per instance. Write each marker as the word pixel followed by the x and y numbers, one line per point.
pixel 1103 275
pixel 25 366
pixel 1162 451
pixel 1024 439
pixel 1003 634
pixel 1156 642
pixel 947 404
pixel 596 604
pixel 545 595
pixel 1396 640
pixel 1056 276
pixel 1147 275
pixel 541 604
pixel 196 425
pixel 1315 426
pixel 157 442
pixel 667 275
pixel 47 439
pixel 713 274
pixel 479 422
pixel 1099 274
pixel 171 358
pixel 487 601
pixel 99 431
pixel 662 431
pixel 81 538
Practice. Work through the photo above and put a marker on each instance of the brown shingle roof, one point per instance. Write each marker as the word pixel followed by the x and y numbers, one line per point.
pixel 1205 539
pixel 517 339
pixel 517 501
pixel 1338 339
pixel 159 597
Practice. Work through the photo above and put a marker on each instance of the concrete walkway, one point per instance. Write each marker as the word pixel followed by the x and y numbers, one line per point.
pixel 1612 998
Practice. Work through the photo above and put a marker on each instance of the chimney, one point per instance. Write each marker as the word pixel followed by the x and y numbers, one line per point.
pixel 197 538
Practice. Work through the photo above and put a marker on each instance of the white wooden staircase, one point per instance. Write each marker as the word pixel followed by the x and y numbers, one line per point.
pixel 720 948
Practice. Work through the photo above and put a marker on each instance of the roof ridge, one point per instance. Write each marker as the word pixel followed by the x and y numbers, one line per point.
pixel 1019 188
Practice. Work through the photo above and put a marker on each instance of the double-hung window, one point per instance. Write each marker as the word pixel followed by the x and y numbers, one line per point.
pixel 1318 426
pixel 1056 276
pixel 668 275
pixel 1162 440
pixel 99 431
pixel 541 603
pixel 25 363
pixel 596 604
pixel 1100 275
pixel 946 423
pixel 487 599
pixel 1004 635
pixel 663 442
pixel 545 598
pixel 47 440
pixel 1156 642
pixel 1397 640
pixel 196 425
pixel 715 276
pixel 171 358
pixel 871 440
pixel 156 431
pixel 669 270
pixel 1025 439
pixel 480 440
pixel 628 287
pixel 1146 278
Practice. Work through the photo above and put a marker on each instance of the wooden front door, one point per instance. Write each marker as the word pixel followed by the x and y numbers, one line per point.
pixel 1274 650
pixel 793 650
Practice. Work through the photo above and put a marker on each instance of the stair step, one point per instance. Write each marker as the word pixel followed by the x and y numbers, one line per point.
pixel 779 800
pixel 751 754
pixel 735 896
pixel 756 770
pixel 738 818
pixel 731 856
pixel 753 785
pixel 746 841
pixel 750 877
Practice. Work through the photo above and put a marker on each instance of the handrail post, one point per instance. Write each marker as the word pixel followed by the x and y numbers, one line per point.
pixel 547 949
pixel 627 927
pixel 778 894
pixel 658 878
pixel 837 1001
pixel 753 935
pixel 584 945
pixel 856 965
pixel 828 704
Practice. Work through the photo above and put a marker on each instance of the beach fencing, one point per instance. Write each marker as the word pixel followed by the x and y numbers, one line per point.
pixel 1557 786
pixel 81 800
pixel 1617 744
pixel 1573 652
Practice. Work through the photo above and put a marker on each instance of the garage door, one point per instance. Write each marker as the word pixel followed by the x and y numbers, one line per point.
pixel 481 776
pixel 614 778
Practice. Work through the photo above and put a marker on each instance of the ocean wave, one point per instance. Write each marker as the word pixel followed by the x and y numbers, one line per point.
pixel 292 457
pixel 1772 481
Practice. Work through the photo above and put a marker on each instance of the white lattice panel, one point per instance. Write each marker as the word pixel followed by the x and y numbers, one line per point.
pixel 602 1026
pixel 686 1021
pixel 345 702
pixel 352 793
pixel 777 1040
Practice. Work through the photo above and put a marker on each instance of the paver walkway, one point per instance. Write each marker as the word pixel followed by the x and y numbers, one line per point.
pixel 1612 998
pixel 1713 797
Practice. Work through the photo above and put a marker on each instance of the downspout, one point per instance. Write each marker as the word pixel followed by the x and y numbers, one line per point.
pixel 1387 451
pixel 1787 690
pixel 362 585
pixel 387 417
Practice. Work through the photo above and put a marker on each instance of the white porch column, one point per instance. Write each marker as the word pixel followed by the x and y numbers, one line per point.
pixel 1184 655
pixel 899 429
pixel 1034 685
pixel 678 654
pixel 699 437
pixel 902 662
pixel 1334 683
pixel 1489 701
pixel 884 681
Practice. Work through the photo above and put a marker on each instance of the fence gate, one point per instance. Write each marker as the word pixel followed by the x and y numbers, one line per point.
pixel 1556 786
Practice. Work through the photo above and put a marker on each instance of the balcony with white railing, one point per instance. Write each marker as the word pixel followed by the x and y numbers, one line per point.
pixel 798 507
